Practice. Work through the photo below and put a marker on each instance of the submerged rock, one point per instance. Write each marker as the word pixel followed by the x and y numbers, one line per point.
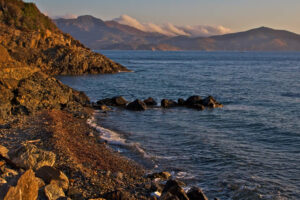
pixel 196 194
pixel 26 188
pixel 137 105
pixel 150 102
pixel 29 156
pixel 166 103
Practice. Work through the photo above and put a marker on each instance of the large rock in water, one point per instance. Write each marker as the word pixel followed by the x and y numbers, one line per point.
pixel 196 194
pixel 172 190
pixel 193 100
pixel 28 156
pixel 211 102
pixel 26 188
pixel 166 103
pixel 115 101
pixel 150 102
pixel 137 105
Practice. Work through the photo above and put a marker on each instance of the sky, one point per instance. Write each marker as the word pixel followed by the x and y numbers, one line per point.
pixel 236 15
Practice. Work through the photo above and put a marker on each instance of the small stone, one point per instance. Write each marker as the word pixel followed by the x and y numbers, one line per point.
pixel 54 192
pixel 161 175
pixel 119 175
pixel 2 181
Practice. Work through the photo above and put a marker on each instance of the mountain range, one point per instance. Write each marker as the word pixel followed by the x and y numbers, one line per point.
pixel 112 35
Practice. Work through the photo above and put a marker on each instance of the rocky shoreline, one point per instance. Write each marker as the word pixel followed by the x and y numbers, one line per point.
pixel 60 157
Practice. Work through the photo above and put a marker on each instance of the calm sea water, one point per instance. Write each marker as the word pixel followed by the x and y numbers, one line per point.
pixel 250 149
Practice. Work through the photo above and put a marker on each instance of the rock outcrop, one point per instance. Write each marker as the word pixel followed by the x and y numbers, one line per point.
pixel 32 38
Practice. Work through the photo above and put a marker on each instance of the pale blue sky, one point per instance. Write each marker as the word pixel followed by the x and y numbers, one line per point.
pixel 235 14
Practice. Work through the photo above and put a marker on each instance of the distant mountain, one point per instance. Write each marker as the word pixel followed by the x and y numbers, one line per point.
pixel 98 34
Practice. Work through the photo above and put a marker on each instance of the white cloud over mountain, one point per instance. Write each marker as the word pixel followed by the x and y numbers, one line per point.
pixel 173 30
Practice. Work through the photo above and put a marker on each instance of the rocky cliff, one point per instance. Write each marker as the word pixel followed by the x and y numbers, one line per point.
pixel 32 38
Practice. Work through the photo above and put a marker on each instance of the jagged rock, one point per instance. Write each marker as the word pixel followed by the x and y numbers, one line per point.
pixel 119 195
pixel 181 102
pixel 166 103
pixel 29 156
pixel 3 151
pixel 150 102
pixel 211 102
pixel 193 100
pixel 196 194
pixel 53 176
pixel 26 188
pixel 54 192
pixel 115 101
pixel 161 175
pixel 136 105
pixel 172 190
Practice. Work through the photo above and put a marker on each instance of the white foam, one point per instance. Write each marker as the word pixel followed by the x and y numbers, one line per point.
pixel 114 138
pixel 106 134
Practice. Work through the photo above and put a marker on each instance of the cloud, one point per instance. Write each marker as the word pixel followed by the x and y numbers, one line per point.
pixel 173 30
pixel 66 16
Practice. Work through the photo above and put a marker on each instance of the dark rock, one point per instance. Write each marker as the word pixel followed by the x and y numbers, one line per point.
pixel 172 190
pixel 118 195
pixel 115 101
pixel 53 176
pixel 150 102
pixel 191 101
pixel 211 102
pixel 166 103
pixel 137 105
pixel 26 188
pixel 196 194
pixel 101 107
pixel 161 175
pixel 29 156
pixel 181 102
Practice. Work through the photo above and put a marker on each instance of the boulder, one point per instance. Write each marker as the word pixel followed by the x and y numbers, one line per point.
pixel 211 102
pixel 196 194
pixel 54 192
pixel 192 100
pixel 181 102
pixel 29 156
pixel 115 101
pixel 150 102
pixel 101 107
pixel 3 151
pixel 118 195
pixel 172 190
pixel 53 176
pixel 161 175
pixel 137 105
pixel 166 103
pixel 26 188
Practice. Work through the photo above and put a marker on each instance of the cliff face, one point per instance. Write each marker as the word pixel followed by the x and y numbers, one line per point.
pixel 32 49
pixel 31 37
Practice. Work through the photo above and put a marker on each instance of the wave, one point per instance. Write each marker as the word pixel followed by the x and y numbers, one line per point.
pixel 114 138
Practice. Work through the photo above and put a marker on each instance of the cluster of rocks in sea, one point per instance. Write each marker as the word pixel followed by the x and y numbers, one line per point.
pixel 29 172
pixel 195 102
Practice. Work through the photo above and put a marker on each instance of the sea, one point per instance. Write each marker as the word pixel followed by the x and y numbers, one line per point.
pixel 249 149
